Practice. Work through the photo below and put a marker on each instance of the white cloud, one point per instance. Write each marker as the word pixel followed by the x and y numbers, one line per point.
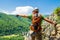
pixel 4 11
pixel 22 10
pixel 25 10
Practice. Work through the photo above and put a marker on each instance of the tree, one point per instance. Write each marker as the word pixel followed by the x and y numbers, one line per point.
pixel 57 14
pixel 57 11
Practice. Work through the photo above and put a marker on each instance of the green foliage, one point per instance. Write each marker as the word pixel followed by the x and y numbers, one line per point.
pixel 30 17
pixel 57 10
pixel 10 24
pixel 57 14
pixel 12 37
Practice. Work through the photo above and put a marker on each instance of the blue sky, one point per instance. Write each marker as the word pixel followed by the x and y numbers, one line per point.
pixel 45 6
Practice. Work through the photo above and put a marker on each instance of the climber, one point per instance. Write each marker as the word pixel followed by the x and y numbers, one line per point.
pixel 36 24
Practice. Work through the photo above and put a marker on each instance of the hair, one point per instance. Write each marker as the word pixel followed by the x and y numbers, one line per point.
pixel 36 10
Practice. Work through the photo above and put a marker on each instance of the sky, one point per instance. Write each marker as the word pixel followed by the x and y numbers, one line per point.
pixel 25 7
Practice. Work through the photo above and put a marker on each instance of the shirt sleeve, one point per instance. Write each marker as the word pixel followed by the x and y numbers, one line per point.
pixel 41 16
pixel 30 17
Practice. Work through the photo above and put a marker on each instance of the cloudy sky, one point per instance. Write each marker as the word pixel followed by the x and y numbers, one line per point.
pixel 26 6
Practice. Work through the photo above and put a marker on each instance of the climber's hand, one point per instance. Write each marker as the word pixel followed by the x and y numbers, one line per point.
pixel 55 24
pixel 55 28
pixel 17 15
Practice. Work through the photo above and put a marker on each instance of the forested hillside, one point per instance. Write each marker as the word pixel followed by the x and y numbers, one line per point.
pixel 11 24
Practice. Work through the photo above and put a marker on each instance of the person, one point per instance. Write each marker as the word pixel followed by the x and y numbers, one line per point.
pixel 36 24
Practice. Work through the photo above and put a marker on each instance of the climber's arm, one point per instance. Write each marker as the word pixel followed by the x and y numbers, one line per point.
pixel 54 23
pixel 50 21
pixel 22 16
pixel 25 16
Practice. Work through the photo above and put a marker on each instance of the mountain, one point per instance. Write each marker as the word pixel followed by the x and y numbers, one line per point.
pixel 10 24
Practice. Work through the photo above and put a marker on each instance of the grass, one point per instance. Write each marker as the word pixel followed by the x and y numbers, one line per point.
pixel 12 37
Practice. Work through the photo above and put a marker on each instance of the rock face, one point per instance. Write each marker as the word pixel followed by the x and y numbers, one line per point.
pixel 57 36
pixel 51 36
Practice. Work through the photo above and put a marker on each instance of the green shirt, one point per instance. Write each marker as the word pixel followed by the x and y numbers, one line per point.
pixel 30 17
